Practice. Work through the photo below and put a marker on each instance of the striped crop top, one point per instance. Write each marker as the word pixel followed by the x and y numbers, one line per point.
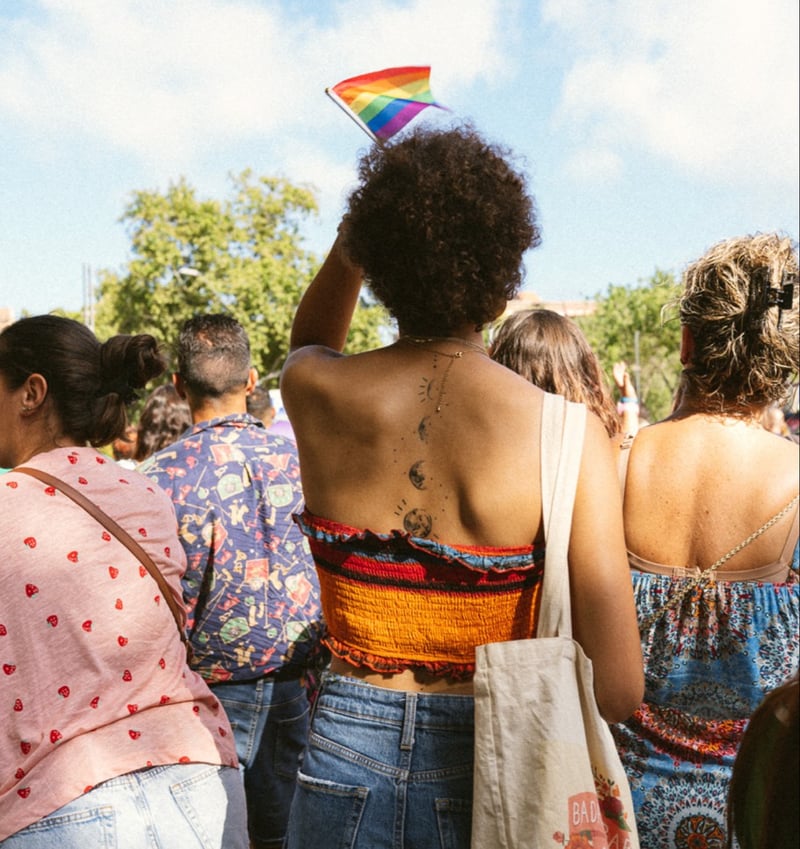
pixel 393 601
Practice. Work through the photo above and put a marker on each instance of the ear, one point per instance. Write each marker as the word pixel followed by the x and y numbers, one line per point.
pixel 34 392
pixel 687 346
pixel 252 381
pixel 177 382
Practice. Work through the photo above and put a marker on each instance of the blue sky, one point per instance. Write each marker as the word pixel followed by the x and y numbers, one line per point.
pixel 649 130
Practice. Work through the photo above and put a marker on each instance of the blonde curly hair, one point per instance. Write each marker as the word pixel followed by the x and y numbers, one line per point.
pixel 745 348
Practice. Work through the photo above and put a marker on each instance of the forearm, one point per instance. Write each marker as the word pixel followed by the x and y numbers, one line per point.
pixel 326 309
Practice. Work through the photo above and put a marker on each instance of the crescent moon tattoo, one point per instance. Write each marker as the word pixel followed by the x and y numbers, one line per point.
pixel 416 475
pixel 422 428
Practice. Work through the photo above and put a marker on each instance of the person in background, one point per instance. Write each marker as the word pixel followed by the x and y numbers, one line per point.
pixel 250 587
pixel 124 448
pixel 711 522
pixel 551 352
pixel 628 407
pixel 106 736
pixel 419 499
pixel 164 417
pixel 259 405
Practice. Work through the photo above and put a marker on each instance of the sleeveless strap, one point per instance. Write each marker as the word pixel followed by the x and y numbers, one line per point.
pixel 122 535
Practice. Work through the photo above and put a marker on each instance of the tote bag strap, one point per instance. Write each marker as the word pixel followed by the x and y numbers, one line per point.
pixel 563 429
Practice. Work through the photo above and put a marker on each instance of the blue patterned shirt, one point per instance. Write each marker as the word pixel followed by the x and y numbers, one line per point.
pixel 250 586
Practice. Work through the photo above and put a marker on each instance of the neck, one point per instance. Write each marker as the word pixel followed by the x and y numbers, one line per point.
pixel 472 339
pixel 204 409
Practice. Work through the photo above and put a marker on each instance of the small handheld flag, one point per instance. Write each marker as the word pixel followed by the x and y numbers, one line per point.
pixel 383 102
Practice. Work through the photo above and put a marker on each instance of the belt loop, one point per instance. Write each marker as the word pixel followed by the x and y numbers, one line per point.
pixel 409 718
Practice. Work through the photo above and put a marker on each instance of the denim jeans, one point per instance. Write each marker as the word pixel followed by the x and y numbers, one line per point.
pixel 384 770
pixel 182 806
pixel 269 717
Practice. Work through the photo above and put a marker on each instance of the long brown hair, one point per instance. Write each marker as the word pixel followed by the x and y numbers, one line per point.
pixel 550 351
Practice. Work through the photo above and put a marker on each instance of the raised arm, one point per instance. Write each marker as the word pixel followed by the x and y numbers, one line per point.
pixel 326 309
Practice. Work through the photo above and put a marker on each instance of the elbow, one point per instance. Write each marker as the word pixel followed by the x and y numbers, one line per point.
pixel 620 699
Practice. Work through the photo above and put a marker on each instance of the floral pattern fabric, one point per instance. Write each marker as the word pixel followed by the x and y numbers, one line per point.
pixel 708 664
pixel 250 587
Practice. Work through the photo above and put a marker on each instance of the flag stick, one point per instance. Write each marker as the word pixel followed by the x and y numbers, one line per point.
pixel 349 112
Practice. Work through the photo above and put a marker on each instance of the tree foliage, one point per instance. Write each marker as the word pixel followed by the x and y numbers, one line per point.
pixel 243 256
pixel 612 333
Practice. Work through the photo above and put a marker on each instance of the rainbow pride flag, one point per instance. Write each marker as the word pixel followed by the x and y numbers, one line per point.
pixel 383 102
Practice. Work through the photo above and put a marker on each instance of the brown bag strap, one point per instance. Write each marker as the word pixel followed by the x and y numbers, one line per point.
pixel 122 535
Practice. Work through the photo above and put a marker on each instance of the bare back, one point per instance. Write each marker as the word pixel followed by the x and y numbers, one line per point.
pixel 438 441
pixel 698 486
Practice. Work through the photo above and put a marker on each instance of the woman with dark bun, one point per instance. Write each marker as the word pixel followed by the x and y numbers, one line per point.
pixel 711 522
pixel 421 472
pixel 106 736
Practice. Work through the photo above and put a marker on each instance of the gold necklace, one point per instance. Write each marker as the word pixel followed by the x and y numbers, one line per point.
pixel 452 357
pixel 424 340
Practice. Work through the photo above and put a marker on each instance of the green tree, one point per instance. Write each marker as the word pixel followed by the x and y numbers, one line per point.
pixel 612 333
pixel 243 256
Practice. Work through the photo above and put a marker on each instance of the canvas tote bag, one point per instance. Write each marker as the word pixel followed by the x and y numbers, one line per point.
pixel 547 773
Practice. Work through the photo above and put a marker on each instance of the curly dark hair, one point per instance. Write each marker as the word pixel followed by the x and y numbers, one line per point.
pixel 439 223
pixel 745 350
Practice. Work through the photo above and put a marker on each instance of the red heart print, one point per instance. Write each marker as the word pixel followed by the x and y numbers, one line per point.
pixel 222 731
pixel 106 536
pixel 113 571
pixel 157 599
pixel 31 590
pixel 18 705
pixel 73 458
pixel 122 480
pixel 87 625
pixel 25 747
pixel 161 662
pixel 11 484
pixel 123 641
pixel 30 542
pixel 184 760
pixel 49 490
pixel 63 691
pixel 3 631
pixel 9 668
pixel 126 675
pixel 118 604
pixel 82 481
pixel 73 557
pixel 24 792
pixel 19 774
pixel 163 700
pixel 95 702
pixel 143 532
pixel 100 460
pixel 196 708
pixel 55 736
pixel 52 620
pixel 142 571
pixel 133 708
pixel 134 735
pixel 166 550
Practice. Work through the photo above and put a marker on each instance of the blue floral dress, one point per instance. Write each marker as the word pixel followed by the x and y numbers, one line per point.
pixel 709 661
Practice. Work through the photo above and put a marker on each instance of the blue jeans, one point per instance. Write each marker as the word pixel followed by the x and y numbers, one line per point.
pixel 182 806
pixel 269 717
pixel 384 770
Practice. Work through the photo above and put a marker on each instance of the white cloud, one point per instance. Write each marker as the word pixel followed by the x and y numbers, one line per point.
pixel 710 85
pixel 166 81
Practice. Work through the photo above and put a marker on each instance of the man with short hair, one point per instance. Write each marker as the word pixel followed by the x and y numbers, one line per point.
pixel 250 586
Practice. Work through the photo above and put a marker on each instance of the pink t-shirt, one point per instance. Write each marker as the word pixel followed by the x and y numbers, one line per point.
pixel 93 675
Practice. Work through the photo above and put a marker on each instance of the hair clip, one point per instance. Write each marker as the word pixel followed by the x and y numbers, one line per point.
pixel 781 297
